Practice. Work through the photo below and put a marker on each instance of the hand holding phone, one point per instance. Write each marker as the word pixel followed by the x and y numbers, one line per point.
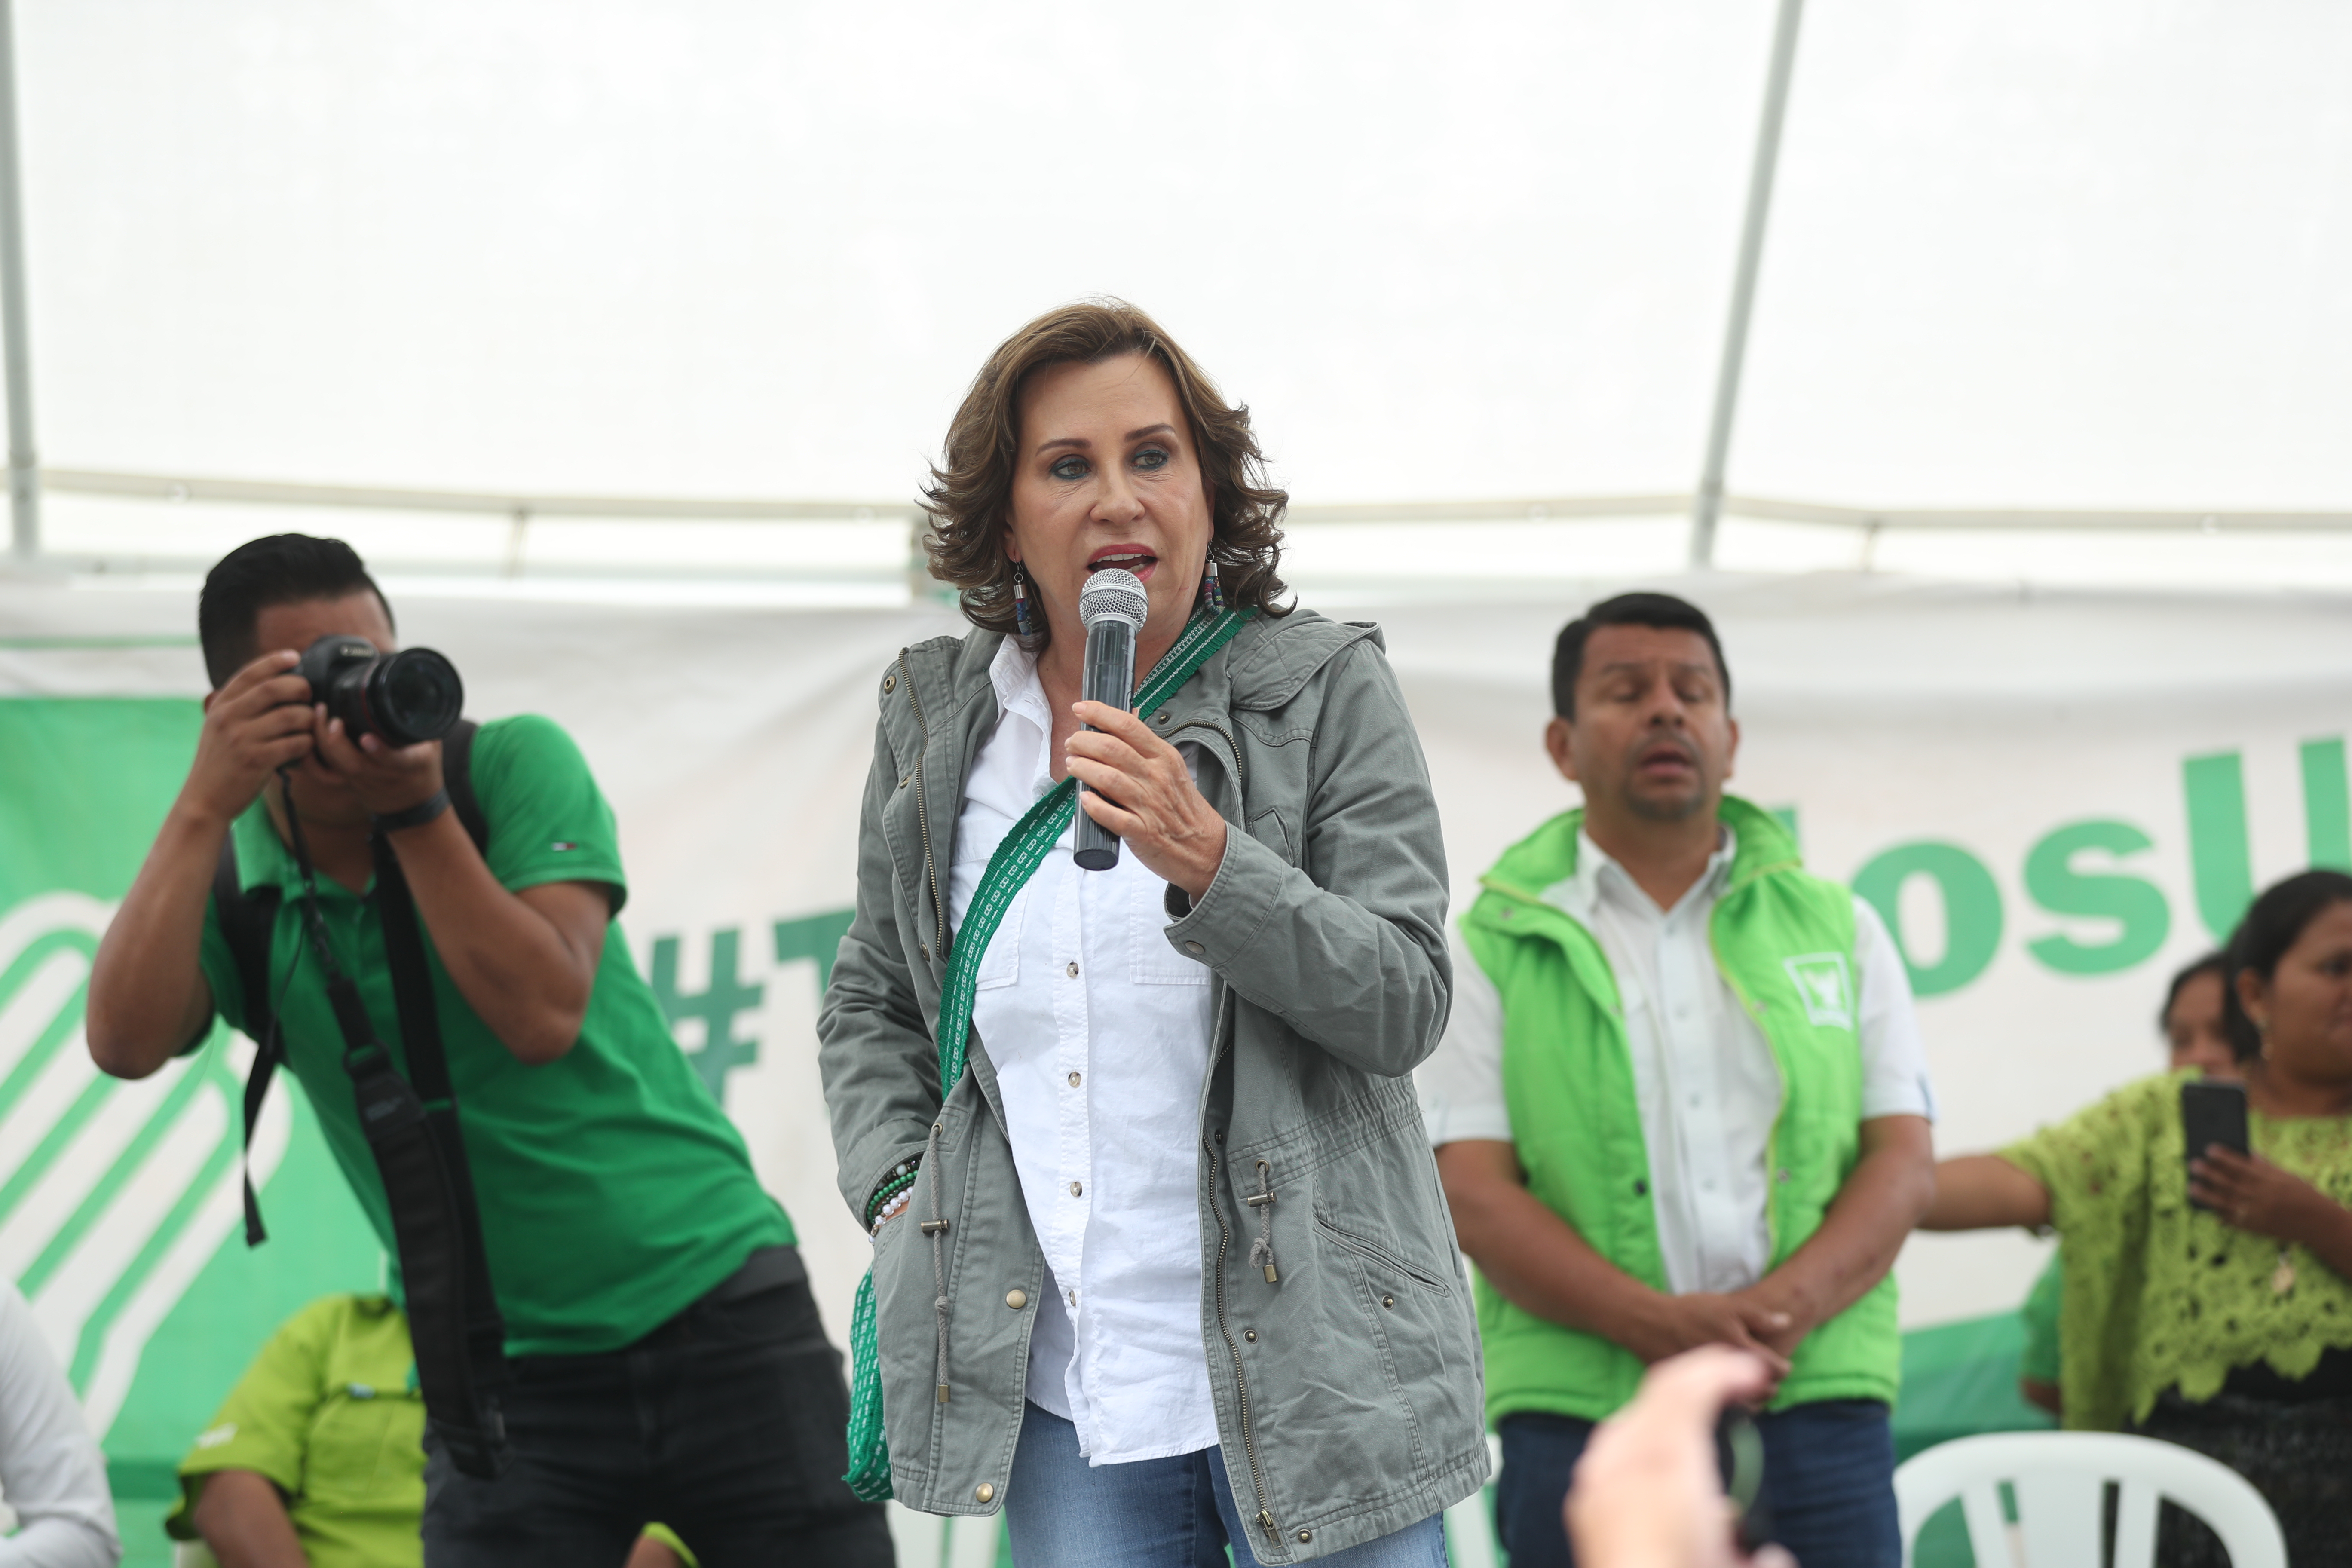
pixel 2210 1113
pixel 1652 1487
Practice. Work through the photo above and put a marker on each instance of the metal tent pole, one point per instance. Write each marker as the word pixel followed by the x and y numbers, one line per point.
pixel 1709 504
pixel 24 471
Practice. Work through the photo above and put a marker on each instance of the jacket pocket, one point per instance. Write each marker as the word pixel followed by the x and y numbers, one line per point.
pixel 1269 829
pixel 1375 1253
pixel 1415 1322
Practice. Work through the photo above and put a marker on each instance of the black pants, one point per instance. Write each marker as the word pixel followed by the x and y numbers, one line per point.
pixel 726 1424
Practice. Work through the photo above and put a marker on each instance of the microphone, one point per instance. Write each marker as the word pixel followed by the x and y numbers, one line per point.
pixel 1112 607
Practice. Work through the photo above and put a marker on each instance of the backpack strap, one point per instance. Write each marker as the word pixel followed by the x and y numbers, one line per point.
pixel 246 922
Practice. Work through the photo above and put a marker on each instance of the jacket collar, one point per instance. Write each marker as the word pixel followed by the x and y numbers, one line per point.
pixel 1550 855
pixel 1514 903
pixel 1266 665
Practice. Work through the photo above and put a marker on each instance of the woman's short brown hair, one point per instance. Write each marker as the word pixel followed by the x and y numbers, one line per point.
pixel 970 497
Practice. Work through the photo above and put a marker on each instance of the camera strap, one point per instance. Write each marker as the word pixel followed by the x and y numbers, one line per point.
pixel 412 1129
pixel 249 918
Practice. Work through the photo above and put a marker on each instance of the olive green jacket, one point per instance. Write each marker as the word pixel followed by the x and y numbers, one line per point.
pixel 1348 1391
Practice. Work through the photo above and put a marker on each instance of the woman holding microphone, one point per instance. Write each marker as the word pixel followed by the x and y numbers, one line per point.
pixel 1161 1262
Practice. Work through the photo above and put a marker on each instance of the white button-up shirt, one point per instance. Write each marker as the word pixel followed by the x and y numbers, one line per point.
pixel 50 1469
pixel 1704 1075
pixel 1100 1033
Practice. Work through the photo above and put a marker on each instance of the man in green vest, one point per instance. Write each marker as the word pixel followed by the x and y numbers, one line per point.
pixel 1681 1100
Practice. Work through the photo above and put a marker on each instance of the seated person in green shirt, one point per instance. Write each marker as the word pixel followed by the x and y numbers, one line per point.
pixel 666 1356
pixel 2226 1329
pixel 2194 1037
pixel 317 1458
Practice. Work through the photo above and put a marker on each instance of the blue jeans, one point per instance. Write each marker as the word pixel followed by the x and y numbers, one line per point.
pixel 1828 1493
pixel 1063 1513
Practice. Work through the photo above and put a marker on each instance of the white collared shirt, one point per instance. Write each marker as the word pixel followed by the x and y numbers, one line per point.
pixel 1099 1032
pixel 1704 1075
pixel 50 1467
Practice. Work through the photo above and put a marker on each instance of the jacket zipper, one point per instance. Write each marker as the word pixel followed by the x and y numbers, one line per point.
pixel 923 824
pixel 1232 748
pixel 1241 1378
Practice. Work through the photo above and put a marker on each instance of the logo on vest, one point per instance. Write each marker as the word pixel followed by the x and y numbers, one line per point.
pixel 1821 985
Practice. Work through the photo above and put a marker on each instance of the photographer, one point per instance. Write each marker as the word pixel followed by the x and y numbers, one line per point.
pixel 664 1358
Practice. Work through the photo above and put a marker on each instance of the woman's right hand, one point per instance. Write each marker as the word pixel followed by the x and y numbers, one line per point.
pixel 256 724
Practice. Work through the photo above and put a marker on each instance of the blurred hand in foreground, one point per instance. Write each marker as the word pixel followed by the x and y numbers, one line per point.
pixel 1648 1493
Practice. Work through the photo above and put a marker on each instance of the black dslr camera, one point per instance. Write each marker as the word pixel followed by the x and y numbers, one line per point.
pixel 410 696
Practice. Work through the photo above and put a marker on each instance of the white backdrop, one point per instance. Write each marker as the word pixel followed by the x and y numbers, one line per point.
pixel 733 744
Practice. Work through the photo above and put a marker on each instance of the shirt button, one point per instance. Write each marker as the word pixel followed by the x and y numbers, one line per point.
pixel 1016 1300
pixel 1195 949
pixel 1073 1298
pixel 1160 717
pixel 1077 1189
pixel 1250 1334
pixel 1072 972
pixel 984 1492
pixel 1074 1080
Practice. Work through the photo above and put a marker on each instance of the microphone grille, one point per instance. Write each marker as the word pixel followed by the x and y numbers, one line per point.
pixel 1114 594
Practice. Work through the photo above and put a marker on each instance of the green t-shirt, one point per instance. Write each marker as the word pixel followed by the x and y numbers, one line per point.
pixel 329 1412
pixel 613 1190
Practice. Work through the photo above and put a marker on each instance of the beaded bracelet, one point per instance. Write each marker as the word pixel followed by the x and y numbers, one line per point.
pixel 895 1186
pixel 891 1208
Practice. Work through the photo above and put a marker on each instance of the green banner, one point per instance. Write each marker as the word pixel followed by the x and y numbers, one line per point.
pixel 119 1212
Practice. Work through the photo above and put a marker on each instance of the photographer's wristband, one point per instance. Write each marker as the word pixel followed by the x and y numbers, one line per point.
pixel 416 816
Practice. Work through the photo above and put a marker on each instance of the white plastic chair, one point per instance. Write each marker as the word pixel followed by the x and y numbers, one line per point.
pixel 2059 1479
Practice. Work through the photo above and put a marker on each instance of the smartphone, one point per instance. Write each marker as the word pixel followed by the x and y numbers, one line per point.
pixel 1740 1450
pixel 2211 1114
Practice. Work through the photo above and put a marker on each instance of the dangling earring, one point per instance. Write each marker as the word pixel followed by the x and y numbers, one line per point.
pixel 1213 595
pixel 1025 620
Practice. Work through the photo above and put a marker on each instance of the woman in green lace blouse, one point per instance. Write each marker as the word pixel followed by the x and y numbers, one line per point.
pixel 2229 1330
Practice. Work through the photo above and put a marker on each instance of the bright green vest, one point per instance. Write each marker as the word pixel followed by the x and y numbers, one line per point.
pixel 1784 940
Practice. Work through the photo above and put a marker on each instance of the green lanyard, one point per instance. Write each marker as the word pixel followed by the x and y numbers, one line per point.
pixel 1017 859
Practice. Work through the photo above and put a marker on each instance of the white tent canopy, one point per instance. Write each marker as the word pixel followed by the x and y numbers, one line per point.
pixel 2083 258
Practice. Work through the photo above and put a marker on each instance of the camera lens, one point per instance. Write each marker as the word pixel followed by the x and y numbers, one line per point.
pixel 414 695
